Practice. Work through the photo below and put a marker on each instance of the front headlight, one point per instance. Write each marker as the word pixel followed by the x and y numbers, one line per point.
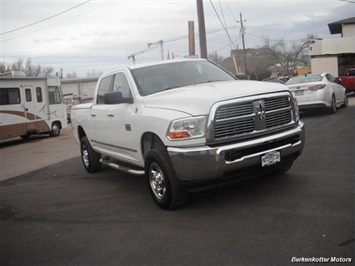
pixel 193 127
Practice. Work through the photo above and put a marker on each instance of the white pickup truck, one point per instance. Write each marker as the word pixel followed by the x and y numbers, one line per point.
pixel 187 124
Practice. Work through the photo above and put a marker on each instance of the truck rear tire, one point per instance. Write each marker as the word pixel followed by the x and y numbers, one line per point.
pixel 163 184
pixel 90 158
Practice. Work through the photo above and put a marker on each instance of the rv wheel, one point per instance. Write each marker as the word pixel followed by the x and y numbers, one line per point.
pixel 55 130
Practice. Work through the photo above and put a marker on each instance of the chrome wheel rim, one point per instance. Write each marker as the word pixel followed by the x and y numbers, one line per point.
pixel 55 129
pixel 157 181
pixel 85 156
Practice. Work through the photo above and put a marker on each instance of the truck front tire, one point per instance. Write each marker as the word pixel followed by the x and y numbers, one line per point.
pixel 163 183
pixel 90 158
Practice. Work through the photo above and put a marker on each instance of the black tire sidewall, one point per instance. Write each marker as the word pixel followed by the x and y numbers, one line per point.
pixel 93 157
pixel 155 156
pixel 176 196
pixel 333 107
pixel 53 133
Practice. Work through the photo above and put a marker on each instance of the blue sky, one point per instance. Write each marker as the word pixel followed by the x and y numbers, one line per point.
pixel 101 34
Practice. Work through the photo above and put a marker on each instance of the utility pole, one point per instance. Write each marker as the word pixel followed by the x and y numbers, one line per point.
pixel 191 26
pixel 202 29
pixel 242 31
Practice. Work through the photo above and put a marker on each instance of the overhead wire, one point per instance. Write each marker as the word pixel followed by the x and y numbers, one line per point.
pixel 42 20
pixel 16 37
pixel 224 20
pixel 222 24
pixel 226 45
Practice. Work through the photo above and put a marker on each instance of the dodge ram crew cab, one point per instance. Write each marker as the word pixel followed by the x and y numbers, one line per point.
pixel 187 124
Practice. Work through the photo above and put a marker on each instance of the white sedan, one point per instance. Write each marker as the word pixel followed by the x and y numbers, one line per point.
pixel 318 90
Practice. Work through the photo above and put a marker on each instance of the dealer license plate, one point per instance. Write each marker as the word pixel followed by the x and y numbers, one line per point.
pixel 299 93
pixel 270 158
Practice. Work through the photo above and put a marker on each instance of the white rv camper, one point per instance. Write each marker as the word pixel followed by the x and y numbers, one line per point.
pixel 31 106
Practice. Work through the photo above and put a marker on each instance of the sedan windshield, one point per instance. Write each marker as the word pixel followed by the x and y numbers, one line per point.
pixel 162 77
pixel 304 79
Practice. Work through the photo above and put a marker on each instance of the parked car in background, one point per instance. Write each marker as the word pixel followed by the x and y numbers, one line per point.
pixel 275 80
pixel 69 107
pixel 318 91
pixel 348 80
pixel 281 80
pixel 87 100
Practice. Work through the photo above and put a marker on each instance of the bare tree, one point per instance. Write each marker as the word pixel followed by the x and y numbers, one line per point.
pixel 18 65
pixel 214 57
pixel 46 71
pixel 28 68
pixel 287 55
pixel 4 68
pixel 72 75
pixel 94 73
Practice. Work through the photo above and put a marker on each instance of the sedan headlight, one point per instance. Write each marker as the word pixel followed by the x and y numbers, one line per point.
pixel 193 127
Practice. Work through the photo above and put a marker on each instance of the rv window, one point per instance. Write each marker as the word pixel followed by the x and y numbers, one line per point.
pixel 28 95
pixel 9 96
pixel 54 95
pixel 39 94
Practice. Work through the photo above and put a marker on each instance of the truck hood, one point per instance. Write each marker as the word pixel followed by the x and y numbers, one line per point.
pixel 198 99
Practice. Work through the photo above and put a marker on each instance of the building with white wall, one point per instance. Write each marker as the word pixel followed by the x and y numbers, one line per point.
pixel 79 87
pixel 337 54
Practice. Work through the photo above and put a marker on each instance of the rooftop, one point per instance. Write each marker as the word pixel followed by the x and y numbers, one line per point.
pixel 336 27
pixel 332 46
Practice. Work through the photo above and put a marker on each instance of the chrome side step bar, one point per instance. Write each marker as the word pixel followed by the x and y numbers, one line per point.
pixel 122 168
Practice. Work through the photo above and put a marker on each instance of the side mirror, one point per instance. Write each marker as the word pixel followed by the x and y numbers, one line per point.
pixel 115 97
pixel 337 80
pixel 240 76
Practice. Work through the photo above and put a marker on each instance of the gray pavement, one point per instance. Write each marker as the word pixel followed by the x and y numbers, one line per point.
pixel 18 156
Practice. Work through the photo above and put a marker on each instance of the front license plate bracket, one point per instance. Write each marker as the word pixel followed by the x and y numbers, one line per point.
pixel 270 158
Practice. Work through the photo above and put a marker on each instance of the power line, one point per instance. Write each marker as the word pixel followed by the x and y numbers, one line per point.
pixel 34 23
pixel 230 11
pixel 16 37
pixel 222 23
pixel 226 46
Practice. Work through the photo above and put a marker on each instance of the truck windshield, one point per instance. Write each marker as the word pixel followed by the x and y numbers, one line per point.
pixel 162 77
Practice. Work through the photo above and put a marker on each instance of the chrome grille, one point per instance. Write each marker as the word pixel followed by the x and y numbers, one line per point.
pixel 230 111
pixel 232 128
pixel 254 116
pixel 276 103
pixel 278 119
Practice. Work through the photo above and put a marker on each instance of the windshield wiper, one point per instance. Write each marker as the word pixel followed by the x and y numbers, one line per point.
pixel 214 80
pixel 170 88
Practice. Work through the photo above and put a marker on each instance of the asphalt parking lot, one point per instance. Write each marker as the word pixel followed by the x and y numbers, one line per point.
pixel 54 213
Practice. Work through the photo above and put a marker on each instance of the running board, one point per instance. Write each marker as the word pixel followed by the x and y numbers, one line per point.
pixel 122 168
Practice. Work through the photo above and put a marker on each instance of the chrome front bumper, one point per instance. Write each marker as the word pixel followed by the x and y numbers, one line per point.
pixel 207 163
